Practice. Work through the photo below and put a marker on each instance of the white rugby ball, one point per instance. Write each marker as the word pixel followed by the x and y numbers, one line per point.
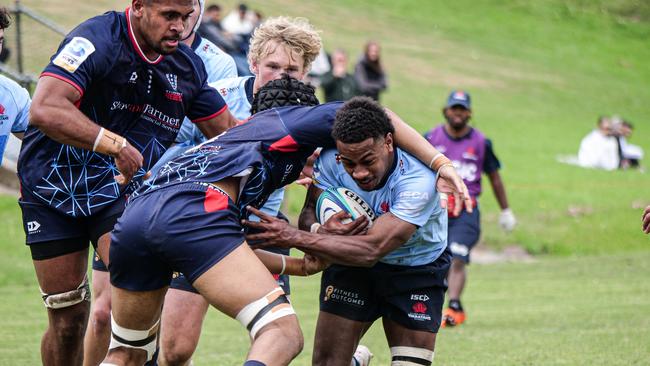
pixel 337 199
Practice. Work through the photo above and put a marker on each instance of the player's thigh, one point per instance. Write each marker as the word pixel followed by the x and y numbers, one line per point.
pixel 182 318
pixel 136 310
pixel 399 335
pixel 62 273
pixel 235 281
pixel 101 289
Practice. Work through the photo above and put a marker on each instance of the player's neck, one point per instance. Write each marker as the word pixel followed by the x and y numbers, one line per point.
pixel 189 40
pixel 147 51
pixel 457 133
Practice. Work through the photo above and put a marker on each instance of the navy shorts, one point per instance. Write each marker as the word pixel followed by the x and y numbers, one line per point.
pixel 185 228
pixel 50 233
pixel 98 263
pixel 463 233
pixel 180 282
pixel 410 296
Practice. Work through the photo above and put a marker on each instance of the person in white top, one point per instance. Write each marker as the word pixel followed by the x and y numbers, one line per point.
pixel 599 149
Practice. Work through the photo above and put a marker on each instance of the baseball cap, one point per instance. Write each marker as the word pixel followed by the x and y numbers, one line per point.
pixel 459 97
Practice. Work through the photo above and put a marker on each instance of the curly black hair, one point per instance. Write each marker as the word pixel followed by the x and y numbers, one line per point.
pixel 283 92
pixel 359 119
pixel 5 18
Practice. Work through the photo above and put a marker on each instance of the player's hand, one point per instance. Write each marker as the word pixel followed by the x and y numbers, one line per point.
pixel 507 220
pixel 128 161
pixel 304 180
pixel 307 172
pixel 312 264
pixel 449 182
pixel 646 220
pixel 273 231
pixel 335 225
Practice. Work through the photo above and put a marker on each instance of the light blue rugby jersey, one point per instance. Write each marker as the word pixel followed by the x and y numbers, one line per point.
pixel 409 194
pixel 14 110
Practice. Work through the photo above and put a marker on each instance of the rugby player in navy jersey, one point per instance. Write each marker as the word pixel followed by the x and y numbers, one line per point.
pixel 105 109
pixel 218 65
pixel 187 219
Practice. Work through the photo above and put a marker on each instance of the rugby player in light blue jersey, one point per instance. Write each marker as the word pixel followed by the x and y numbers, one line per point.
pixel 187 219
pixel 14 99
pixel 396 270
pixel 273 53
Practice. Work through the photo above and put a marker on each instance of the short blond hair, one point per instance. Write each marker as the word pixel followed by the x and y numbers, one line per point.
pixel 296 34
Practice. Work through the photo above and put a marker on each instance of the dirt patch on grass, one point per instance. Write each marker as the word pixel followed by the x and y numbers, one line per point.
pixel 513 253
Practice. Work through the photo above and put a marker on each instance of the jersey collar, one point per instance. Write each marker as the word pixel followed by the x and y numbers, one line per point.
pixel 134 42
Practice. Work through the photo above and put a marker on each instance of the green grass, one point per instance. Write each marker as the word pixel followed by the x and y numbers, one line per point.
pixel 589 310
pixel 540 73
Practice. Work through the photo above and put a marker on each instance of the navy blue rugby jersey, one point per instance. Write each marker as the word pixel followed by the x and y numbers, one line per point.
pixel 268 152
pixel 140 99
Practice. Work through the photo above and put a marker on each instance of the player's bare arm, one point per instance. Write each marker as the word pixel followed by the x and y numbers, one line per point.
pixel 646 220
pixel 387 233
pixel 53 111
pixel 284 264
pixel 498 189
pixel 449 182
pixel 216 125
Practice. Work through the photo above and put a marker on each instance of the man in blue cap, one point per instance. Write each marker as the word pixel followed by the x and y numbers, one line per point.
pixel 471 153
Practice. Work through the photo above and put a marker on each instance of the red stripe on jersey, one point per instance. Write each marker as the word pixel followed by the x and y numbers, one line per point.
pixel 215 201
pixel 63 78
pixel 285 144
pixel 201 119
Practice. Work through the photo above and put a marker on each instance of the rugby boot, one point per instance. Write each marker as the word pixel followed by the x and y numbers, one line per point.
pixel 362 356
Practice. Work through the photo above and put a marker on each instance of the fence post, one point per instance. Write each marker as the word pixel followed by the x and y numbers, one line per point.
pixel 19 43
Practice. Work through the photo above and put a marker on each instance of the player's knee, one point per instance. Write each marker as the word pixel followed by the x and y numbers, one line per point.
pixel 132 341
pixel 174 353
pixel 100 317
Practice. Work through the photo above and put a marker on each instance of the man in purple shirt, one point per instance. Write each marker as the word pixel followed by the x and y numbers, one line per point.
pixel 471 153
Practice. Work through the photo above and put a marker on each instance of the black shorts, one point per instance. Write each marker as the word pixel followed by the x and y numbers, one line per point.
pixel 410 296
pixel 463 234
pixel 50 233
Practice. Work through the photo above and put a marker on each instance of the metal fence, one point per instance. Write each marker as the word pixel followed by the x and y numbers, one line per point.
pixel 31 39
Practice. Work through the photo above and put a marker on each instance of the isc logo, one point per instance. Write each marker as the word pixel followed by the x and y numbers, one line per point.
pixel 419 297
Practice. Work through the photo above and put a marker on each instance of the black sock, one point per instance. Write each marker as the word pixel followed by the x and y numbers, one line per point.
pixel 455 305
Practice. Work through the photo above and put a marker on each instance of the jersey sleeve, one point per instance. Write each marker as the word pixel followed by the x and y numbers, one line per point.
pixel 311 126
pixel 325 171
pixel 415 198
pixel 23 102
pixel 85 54
pixel 491 163
pixel 207 103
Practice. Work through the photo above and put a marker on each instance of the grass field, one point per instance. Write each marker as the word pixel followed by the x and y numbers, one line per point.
pixel 540 73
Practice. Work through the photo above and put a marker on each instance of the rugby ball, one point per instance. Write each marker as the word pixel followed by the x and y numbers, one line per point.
pixel 337 199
